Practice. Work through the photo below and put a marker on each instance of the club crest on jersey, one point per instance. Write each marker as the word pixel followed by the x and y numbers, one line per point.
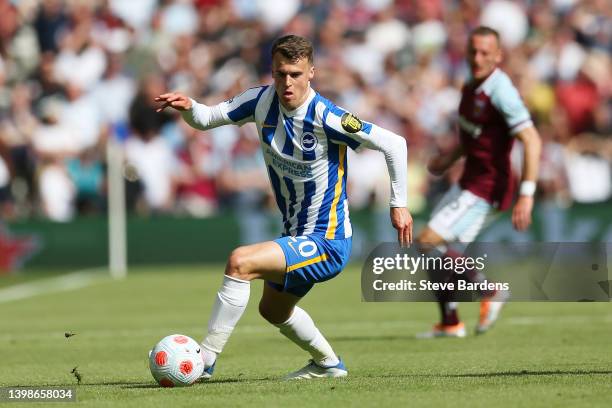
pixel 351 123
pixel 308 141
pixel 479 106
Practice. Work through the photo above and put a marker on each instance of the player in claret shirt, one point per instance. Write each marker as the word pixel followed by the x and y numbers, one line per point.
pixel 491 116
pixel 304 138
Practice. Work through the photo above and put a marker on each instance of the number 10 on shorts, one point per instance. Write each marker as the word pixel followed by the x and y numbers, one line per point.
pixel 302 246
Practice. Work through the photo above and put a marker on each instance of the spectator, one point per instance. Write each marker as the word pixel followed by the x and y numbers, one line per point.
pixel 397 61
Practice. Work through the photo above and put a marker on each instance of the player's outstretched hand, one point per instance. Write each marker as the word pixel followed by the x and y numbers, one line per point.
pixel 174 100
pixel 521 213
pixel 402 222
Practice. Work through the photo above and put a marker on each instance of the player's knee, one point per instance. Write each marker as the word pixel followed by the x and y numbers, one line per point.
pixel 271 313
pixel 237 265
pixel 423 237
pixel 428 240
pixel 421 243
pixel 267 312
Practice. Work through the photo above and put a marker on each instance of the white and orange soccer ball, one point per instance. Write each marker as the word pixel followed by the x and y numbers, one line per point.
pixel 176 361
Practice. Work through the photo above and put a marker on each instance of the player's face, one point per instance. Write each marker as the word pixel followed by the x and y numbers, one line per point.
pixel 291 80
pixel 483 56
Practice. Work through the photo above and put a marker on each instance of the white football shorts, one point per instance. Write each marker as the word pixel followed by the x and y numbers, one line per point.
pixel 460 215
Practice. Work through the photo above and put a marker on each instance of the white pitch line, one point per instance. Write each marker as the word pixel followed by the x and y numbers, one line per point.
pixel 542 320
pixel 71 281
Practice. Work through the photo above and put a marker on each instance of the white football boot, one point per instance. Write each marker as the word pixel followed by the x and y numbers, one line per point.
pixel 313 370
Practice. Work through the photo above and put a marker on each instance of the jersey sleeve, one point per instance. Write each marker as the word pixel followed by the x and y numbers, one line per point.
pixel 506 99
pixel 342 127
pixel 234 111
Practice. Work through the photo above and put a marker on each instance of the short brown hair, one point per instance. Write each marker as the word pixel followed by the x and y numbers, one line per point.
pixel 293 47
pixel 484 30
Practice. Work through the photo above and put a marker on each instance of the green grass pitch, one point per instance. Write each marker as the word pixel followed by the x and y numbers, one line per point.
pixel 539 355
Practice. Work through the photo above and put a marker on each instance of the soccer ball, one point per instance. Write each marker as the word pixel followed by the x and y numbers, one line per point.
pixel 176 361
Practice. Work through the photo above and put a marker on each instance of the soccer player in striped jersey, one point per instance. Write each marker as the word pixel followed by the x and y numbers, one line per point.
pixel 491 116
pixel 304 138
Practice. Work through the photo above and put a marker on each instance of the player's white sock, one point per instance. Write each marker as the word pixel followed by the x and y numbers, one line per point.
pixel 301 330
pixel 209 357
pixel 231 301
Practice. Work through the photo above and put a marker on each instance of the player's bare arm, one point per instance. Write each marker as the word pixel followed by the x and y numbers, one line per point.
pixel 521 213
pixel 438 165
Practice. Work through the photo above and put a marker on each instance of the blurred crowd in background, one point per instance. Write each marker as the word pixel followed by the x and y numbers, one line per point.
pixel 77 73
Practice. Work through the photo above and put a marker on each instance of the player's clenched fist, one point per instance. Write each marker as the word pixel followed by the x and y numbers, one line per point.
pixel 174 100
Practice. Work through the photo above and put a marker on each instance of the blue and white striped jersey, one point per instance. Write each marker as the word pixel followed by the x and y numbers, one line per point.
pixel 305 155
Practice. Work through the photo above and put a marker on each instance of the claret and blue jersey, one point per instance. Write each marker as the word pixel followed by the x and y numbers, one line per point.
pixel 490 114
